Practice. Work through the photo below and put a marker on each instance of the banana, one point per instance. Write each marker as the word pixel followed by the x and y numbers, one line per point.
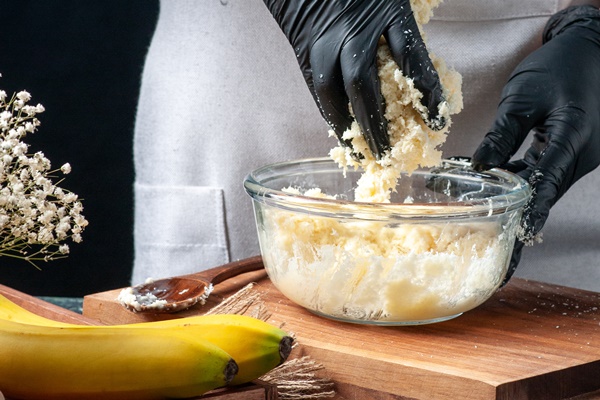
pixel 256 346
pixel 13 312
pixel 45 362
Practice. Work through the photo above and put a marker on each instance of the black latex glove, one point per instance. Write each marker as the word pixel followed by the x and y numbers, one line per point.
pixel 555 92
pixel 336 44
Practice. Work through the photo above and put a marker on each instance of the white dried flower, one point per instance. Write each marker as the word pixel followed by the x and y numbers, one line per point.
pixel 35 214
pixel 46 218
pixel 20 149
pixel 24 96
pixel 59 193
pixel 70 198
pixel 30 110
pixel 18 188
pixel 77 208
pixel 80 220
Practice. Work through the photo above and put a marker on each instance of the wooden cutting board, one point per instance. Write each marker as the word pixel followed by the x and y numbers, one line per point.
pixel 44 308
pixel 529 341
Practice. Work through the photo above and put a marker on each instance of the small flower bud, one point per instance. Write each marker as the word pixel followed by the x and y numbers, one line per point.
pixel 66 168
pixel 24 96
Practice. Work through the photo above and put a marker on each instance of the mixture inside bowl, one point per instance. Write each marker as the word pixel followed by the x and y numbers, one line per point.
pixel 441 253
pixel 369 271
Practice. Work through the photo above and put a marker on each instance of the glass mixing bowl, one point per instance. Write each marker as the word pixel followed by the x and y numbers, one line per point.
pixel 440 247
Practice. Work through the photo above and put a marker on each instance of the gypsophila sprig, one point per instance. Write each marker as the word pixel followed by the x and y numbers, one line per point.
pixel 36 216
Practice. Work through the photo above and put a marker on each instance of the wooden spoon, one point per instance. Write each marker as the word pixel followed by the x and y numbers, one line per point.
pixel 178 293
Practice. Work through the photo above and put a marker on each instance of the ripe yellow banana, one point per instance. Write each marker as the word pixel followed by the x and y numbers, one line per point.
pixel 256 346
pixel 44 362
pixel 13 312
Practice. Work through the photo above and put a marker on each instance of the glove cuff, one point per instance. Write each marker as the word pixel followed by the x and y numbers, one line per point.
pixel 567 17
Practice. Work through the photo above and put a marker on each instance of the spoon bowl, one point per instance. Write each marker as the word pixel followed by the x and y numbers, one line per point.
pixel 178 293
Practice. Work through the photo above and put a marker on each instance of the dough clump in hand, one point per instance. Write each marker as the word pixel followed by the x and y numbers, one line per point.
pixel 413 143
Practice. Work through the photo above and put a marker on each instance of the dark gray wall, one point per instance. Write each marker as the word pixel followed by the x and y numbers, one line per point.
pixel 82 60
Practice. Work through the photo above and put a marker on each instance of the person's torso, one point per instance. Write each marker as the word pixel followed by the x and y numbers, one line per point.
pixel 223 94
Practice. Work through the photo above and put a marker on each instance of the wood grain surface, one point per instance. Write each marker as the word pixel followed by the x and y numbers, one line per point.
pixel 44 308
pixel 529 341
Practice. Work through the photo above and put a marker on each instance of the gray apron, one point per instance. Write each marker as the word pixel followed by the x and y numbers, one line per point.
pixel 222 94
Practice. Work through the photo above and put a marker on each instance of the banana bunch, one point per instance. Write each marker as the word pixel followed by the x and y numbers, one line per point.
pixel 45 359
pixel 43 362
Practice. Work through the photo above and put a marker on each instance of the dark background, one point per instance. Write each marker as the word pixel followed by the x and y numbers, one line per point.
pixel 82 61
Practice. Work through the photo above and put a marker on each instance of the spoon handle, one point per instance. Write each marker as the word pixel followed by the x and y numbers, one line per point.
pixel 224 272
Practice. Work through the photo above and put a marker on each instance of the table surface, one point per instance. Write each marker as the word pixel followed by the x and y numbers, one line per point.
pixel 529 341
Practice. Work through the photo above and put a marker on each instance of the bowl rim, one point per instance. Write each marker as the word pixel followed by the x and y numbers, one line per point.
pixel 339 208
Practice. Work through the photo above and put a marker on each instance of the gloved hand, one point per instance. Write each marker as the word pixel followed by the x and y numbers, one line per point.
pixel 555 92
pixel 336 44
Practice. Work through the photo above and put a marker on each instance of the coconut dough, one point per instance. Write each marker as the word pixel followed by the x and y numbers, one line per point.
pixel 413 143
